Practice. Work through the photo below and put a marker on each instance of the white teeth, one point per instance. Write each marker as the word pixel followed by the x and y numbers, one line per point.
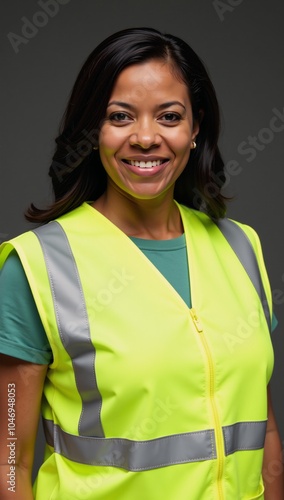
pixel 145 164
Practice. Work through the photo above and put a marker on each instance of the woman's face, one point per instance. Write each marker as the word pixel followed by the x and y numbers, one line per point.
pixel 147 134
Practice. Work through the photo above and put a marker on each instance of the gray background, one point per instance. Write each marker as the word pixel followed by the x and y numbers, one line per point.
pixel 241 42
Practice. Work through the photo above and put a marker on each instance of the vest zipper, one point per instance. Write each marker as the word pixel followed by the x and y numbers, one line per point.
pixel 217 425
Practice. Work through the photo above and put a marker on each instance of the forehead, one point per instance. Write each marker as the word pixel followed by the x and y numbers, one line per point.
pixel 151 79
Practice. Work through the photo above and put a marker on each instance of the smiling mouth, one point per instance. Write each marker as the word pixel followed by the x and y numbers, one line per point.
pixel 145 164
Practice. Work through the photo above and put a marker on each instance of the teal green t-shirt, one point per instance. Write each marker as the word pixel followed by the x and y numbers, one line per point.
pixel 170 258
pixel 21 331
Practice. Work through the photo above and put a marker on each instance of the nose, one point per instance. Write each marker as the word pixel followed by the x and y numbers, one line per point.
pixel 145 135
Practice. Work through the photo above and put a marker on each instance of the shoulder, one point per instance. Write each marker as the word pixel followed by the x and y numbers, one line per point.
pixel 29 239
pixel 250 233
pixel 209 223
pixel 233 231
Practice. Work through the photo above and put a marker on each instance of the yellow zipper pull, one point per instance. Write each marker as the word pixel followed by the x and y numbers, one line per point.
pixel 195 320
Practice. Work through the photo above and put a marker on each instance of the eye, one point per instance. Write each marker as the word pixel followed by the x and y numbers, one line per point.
pixel 170 118
pixel 119 117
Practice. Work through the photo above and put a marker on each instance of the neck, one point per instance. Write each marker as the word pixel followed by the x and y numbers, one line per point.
pixel 155 219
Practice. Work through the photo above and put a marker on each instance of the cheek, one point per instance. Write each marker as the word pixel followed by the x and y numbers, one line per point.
pixel 109 143
pixel 110 139
pixel 182 153
pixel 180 140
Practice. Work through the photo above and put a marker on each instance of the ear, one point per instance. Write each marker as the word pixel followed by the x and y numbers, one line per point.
pixel 197 123
pixel 195 130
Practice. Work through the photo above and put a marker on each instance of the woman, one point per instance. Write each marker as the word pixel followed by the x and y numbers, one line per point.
pixel 153 386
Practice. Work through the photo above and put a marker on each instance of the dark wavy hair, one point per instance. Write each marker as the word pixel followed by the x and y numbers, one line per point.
pixel 77 172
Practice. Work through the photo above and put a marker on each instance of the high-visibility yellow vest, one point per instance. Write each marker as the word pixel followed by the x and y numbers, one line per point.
pixel 147 399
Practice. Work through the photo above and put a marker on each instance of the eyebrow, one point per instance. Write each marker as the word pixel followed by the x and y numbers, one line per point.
pixel 161 106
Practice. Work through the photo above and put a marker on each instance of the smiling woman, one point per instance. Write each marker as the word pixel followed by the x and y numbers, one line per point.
pixel 77 171
pixel 132 302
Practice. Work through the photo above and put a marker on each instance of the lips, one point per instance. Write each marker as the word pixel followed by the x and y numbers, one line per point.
pixel 146 163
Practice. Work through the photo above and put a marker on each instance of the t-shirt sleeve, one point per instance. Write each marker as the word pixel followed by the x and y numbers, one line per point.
pixel 21 331
pixel 274 322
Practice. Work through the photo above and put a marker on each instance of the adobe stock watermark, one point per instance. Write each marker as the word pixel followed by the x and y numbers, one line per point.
pixel 274 468
pixel 249 148
pixel 30 371
pixel 222 7
pixel 144 430
pixel 244 329
pixel 255 144
pixel 74 157
pixel 265 136
pixel 119 279
pixel 31 27
pixel 11 437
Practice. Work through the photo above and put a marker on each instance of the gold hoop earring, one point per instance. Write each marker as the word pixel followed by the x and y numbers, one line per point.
pixel 193 145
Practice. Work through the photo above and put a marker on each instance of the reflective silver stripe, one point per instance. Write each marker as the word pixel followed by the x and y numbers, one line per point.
pixel 242 247
pixel 244 436
pixel 132 455
pixel 72 322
